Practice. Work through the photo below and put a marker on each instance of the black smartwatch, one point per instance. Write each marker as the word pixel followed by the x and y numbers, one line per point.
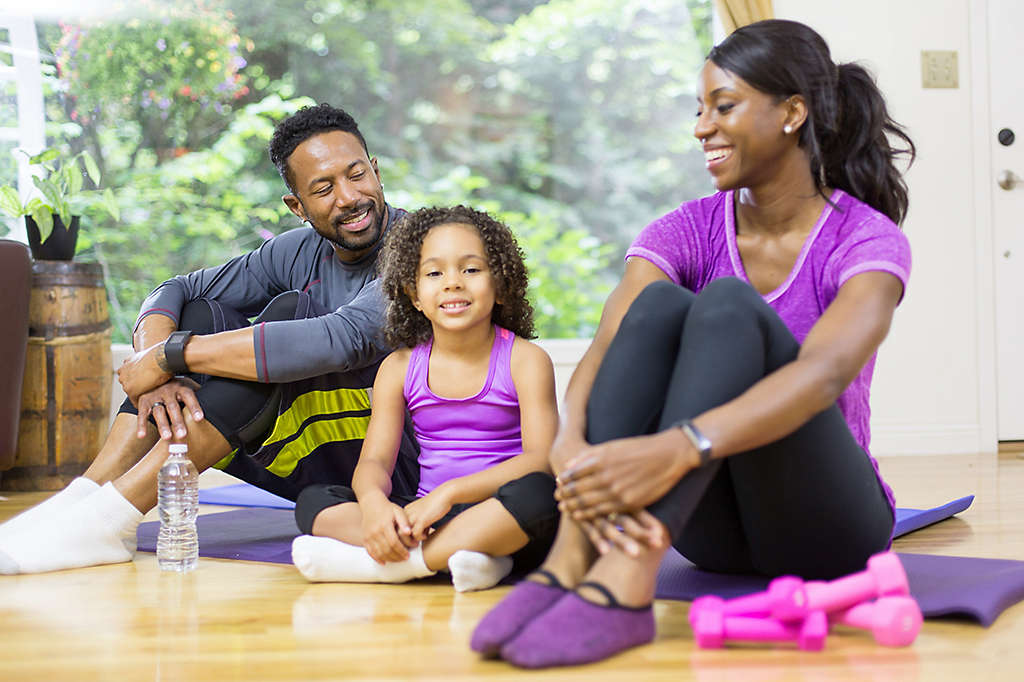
pixel 174 352
pixel 699 440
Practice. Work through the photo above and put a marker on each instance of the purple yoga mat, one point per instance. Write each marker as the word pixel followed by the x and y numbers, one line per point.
pixel 246 534
pixel 979 589
pixel 245 495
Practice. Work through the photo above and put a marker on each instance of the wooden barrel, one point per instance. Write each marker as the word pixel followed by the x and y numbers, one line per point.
pixel 65 398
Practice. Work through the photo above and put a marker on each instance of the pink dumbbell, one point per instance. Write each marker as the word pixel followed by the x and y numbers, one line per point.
pixel 781 590
pixel 712 628
pixel 883 577
pixel 894 621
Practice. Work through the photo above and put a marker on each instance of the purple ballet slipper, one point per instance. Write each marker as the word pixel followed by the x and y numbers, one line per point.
pixel 575 631
pixel 525 602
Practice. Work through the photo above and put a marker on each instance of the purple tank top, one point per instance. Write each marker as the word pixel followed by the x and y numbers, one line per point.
pixel 461 436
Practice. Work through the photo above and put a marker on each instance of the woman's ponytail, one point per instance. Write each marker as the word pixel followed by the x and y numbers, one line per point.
pixel 848 129
pixel 857 154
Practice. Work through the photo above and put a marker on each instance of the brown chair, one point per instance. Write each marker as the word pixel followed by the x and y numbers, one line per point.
pixel 15 283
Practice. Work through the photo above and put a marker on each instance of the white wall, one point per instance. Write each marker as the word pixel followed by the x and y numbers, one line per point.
pixel 933 389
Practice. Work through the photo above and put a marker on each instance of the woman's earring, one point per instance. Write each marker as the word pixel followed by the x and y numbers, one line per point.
pixel 787 129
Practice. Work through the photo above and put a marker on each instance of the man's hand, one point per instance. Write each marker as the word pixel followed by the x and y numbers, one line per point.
pixel 422 513
pixel 164 403
pixel 141 372
pixel 386 532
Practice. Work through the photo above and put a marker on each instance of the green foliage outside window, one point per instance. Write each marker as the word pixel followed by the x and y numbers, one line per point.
pixel 571 120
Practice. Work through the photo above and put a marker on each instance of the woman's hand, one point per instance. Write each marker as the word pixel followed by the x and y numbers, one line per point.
pixel 164 403
pixel 423 512
pixel 630 533
pixel 567 447
pixel 140 373
pixel 386 532
pixel 623 475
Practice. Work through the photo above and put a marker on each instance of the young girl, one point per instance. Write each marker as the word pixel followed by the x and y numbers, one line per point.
pixel 482 402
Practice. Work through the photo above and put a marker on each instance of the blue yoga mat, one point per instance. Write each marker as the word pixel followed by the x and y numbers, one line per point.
pixel 245 495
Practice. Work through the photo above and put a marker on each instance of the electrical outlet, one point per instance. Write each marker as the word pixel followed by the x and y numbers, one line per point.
pixel 939 69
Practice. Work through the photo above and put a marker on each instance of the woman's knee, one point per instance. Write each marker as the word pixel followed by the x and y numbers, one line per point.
pixel 727 301
pixel 660 303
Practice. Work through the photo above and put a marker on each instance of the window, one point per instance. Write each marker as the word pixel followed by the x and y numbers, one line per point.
pixel 570 119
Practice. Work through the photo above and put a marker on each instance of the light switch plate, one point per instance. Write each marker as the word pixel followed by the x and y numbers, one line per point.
pixel 939 69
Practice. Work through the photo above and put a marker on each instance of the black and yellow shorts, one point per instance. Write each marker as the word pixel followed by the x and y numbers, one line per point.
pixel 288 436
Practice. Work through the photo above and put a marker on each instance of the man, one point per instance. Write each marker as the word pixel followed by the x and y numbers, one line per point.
pixel 280 403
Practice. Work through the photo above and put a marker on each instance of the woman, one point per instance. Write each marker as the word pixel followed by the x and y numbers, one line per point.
pixel 723 404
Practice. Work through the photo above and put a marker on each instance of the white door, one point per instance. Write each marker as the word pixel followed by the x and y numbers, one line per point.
pixel 1006 87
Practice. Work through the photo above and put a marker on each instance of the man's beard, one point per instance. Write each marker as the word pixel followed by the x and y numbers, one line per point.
pixel 366 239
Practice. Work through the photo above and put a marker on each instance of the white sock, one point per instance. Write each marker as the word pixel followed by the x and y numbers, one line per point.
pixel 53 505
pixel 476 571
pixel 322 559
pixel 99 529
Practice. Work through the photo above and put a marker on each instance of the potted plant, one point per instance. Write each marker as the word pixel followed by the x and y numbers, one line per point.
pixel 51 220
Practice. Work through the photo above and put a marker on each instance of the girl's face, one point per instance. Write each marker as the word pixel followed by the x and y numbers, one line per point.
pixel 740 128
pixel 454 285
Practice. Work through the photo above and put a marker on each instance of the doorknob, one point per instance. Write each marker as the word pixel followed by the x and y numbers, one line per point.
pixel 1007 179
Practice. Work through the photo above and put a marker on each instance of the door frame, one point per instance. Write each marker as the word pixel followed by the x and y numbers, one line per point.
pixel 984 227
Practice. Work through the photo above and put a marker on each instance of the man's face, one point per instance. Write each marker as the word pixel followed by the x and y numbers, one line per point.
pixel 337 189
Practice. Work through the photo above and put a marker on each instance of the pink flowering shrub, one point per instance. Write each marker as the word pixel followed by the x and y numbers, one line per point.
pixel 175 69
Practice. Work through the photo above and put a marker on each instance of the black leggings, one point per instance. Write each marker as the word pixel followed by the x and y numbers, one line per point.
pixel 808 504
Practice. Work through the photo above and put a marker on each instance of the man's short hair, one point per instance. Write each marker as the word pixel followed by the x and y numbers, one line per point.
pixel 302 125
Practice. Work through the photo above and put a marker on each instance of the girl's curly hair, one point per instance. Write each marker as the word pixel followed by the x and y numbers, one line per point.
pixel 400 261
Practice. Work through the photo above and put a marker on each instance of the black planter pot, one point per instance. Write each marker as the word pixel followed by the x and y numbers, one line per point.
pixel 59 245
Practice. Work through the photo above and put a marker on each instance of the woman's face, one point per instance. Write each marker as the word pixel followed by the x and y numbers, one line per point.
pixel 740 129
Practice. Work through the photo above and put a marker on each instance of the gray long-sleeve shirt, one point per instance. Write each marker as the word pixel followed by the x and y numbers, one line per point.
pixel 346 339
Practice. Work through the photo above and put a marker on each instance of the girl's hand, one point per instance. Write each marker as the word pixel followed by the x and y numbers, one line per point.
pixel 623 475
pixel 423 512
pixel 386 532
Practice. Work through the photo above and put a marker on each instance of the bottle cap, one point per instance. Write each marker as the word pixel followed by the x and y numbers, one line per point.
pixel 179 448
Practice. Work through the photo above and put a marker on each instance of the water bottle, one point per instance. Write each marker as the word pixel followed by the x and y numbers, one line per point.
pixel 177 545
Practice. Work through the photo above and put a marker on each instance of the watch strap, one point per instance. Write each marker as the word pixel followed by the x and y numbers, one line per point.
pixel 174 351
pixel 699 440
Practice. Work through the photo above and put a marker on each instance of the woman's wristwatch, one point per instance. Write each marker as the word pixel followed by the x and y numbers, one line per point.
pixel 699 440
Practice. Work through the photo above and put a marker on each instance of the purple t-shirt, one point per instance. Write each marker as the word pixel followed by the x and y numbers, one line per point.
pixel 461 436
pixel 696 243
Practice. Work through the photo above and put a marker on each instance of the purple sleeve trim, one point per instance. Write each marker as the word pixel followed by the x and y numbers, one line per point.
pixel 311 285
pixel 655 259
pixel 877 266
pixel 158 311
pixel 263 351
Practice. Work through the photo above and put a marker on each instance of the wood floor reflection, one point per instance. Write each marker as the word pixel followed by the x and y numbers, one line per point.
pixel 233 620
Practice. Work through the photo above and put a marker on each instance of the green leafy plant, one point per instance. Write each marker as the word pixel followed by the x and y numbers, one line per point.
pixel 61 186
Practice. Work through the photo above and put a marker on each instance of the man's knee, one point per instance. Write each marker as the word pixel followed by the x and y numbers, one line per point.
pixel 292 305
pixel 207 316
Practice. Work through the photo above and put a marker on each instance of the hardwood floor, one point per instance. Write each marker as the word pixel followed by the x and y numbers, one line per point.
pixel 251 621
